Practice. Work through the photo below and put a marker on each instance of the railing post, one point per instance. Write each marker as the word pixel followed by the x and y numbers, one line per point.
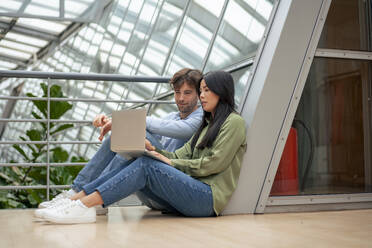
pixel 48 145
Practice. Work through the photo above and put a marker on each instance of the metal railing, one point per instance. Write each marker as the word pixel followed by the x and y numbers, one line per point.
pixel 65 76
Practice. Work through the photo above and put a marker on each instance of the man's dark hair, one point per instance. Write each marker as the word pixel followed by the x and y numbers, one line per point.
pixel 190 76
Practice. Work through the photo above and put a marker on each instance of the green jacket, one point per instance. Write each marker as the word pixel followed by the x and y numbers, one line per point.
pixel 218 166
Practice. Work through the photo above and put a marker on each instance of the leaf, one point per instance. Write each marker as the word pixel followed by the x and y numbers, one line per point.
pixel 57 109
pixel 17 170
pixel 34 134
pixel 73 170
pixel 61 128
pixel 22 197
pixel 44 87
pixel 33 197
pixel 6 177
pixel 38 175
pixel 36 155
pixel 59 155
pixel 78 159
pixel 36 115
pixel 40 105
pixel 10 176
pixel 56 91
pixel 43 125
pixel 21 151
pixel 10 196
pixel 28 145
pixel 14 204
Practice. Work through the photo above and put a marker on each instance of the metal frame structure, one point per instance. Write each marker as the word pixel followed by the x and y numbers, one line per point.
pixel 296 27
pixel 318 20
pixel 342 54
pixel 93 14
pixel 329 201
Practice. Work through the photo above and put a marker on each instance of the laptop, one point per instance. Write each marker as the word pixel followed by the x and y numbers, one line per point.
pixel 128 133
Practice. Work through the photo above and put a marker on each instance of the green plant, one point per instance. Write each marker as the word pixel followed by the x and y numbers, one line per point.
pixel 36 153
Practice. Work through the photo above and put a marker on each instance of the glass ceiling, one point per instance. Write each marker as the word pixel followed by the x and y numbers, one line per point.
pixel 133 37
pixel 26 26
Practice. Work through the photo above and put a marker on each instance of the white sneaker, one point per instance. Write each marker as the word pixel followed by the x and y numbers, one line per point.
pixel 39 213
pixel 63 194
pixel 72 212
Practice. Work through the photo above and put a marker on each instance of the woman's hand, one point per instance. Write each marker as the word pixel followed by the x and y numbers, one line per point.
pixel 161 157
pixel 149 146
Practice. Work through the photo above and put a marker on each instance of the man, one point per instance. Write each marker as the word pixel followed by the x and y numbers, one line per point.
pixel 169 133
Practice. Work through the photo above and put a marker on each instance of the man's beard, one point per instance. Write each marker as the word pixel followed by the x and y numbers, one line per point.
pixel 186 109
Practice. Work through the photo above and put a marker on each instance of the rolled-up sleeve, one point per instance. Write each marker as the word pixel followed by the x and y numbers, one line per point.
pixel 178 129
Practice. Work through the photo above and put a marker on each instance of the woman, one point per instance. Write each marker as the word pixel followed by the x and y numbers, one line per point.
pixel 196 180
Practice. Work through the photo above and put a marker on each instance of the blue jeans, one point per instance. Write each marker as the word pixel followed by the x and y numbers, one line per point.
pixel 173 189
pixel 105 161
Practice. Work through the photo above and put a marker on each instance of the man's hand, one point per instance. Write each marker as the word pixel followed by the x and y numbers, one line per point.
pixel 105 129
pixel 161 157
pixel 149 146
pixel 100 120
pixel 104 122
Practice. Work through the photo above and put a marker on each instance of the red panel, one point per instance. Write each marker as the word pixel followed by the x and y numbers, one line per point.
pixel 286 179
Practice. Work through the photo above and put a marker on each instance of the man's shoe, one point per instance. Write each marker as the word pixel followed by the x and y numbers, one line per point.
pixel 73 212
pixel 39 213
pixel 64 194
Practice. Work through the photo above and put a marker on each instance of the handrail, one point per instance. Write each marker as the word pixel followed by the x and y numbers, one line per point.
pixel 82 76
pixel 56 99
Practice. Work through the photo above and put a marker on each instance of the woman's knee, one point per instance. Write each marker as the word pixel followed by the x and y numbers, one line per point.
pixel 152 166
pixel 143 162
pixel 146 160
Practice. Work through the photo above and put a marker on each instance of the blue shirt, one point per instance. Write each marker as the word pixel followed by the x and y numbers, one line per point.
pixel 172 131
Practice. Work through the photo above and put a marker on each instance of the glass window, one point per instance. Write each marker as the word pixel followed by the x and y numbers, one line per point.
pixel 347 26
pixel 196 33
pixel 240 80
pixel 49 9
pixel 333 132
pixel 9 6
pixel 240 33
pixel 76 8
pixel 163 34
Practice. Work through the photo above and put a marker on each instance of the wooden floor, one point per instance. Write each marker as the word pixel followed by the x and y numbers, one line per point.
pixel 139 227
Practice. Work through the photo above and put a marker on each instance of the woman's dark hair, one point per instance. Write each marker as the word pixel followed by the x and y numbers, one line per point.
pixel 186 75
pixel 222 84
